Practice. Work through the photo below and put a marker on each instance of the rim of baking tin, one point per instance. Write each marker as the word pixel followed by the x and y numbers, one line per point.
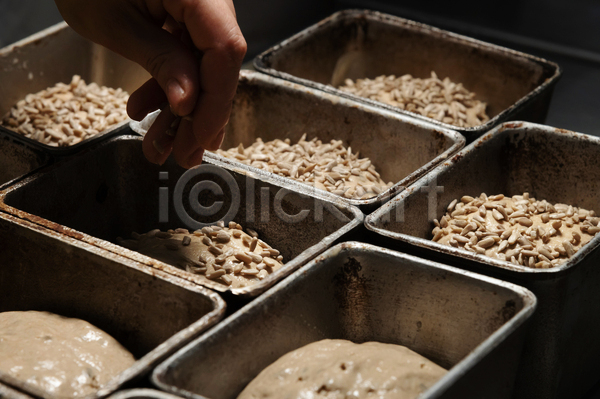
pixel 261 64
pixel 46 158
pixel 372 220
pixel 451 135
pixel 356 219
pixel 453 374
pixel 145 363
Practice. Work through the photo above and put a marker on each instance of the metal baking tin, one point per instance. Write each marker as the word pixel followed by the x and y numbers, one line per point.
pixel 54 55
pixel 111 191
pixel 148 311
pixel 142 393
pixel 468 323
pixel 18 159
pixel 402 149
pixel 562 350
pixel 516 86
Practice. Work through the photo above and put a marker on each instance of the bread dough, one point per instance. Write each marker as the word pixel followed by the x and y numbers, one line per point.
pixel 63 356
pixel 540 229
pixel 195 256
pixel 338 368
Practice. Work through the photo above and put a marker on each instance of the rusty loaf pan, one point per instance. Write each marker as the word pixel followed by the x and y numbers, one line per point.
pixel 562 351
pixel 142 393
pixel 401 148
pixel 18 158
pixel 54 55
pixel 111 191
pixel 148 311
pixel 470 324
pixel 513 84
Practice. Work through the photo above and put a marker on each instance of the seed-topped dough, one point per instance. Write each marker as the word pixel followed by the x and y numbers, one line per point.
pixel 517 229
pixel 331 166
pixel 442 100
pixel 226 255
pixel 66 114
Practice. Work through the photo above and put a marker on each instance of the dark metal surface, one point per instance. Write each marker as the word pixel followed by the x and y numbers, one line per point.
pixel 562 350
pixel 111 191
pixel 401 148
pixel 54 55
pixel 515 85
pixel 469 323
pixel 151 313
pixel 18 159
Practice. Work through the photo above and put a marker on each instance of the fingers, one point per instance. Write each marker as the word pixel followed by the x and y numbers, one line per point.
pixel 158 142
pixel 149 97
pixel 136 33
pixel 214 30
pixel 205 88
pixel 186 150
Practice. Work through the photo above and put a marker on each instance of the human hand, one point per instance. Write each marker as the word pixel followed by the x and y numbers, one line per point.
pixel 161 36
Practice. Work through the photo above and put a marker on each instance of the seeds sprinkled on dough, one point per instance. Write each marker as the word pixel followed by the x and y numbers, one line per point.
pixel 326 166
pixel 517 229
pixel 230 257
pixel 66 114
pixel 442 100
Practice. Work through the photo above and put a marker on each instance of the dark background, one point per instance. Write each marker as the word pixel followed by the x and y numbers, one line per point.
pixel 566 32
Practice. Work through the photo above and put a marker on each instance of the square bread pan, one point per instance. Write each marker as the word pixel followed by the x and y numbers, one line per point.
pixel 18 158
pixel 562 351
pixel 54 55
pixel 150 312
pixel 366 44
pixel 470 324
pixel 111 191
pixel 402 149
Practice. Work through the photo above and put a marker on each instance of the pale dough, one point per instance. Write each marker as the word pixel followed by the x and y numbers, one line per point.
pixel 65 357
pixel 196 258
pixel 336 369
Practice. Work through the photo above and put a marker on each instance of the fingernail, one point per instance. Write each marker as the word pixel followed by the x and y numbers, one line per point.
pixel 175 92
pixel 196 158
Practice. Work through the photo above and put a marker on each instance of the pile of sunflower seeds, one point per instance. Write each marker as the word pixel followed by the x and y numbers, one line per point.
pixel 517 229
pixel 442 100
pixel 331 166
pixel 66 114
pixel 227 255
